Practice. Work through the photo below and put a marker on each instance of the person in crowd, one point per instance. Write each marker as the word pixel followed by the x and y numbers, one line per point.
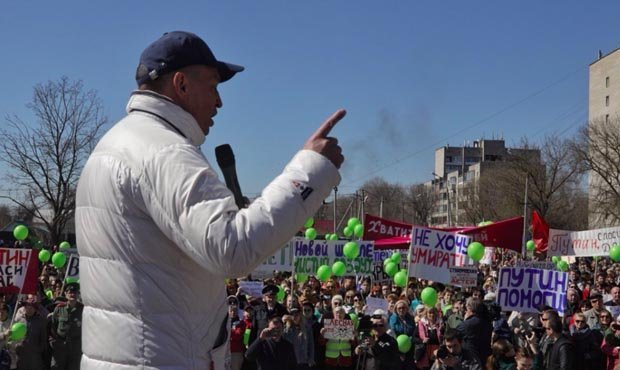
pixel 605 319
pixel 385 291
pixel 561 354
pixel 381 347
pixel 35 299
pixel 453 355
pixel 593 314
pixel 412 296
pixel 502 356
pixel 349 296
pixel 587 344
pixel 359 304
pixel 446 300
pixel 7 347
pixel 271 351
pixel 615 297
pixel 456 314
pixel 237 333
pixel 300 335
pixel 476 329
pixel 402 322
pixel 66 331
pixel 430 330
pixel 365 287
pixel 524 359
pixel 148 201
pixel 266 310
pixel 611 346
pixel 338 354
pixel 572 304
pixel 312 324
pixel 31 350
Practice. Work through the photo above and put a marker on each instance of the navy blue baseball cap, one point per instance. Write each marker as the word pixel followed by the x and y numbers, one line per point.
pixel 178 49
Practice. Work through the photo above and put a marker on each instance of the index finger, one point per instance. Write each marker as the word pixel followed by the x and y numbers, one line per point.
pixel 329 123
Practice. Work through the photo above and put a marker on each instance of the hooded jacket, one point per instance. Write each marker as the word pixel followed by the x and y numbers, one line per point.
pixel 158 233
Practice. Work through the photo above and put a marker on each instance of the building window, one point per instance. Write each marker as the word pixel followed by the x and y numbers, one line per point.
pixel 607 101
pixel 606 81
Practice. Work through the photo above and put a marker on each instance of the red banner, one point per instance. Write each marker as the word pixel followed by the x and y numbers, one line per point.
pixel 20 269
pixel 389 234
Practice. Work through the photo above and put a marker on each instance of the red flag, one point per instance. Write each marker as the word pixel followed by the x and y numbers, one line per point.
pixel 507 234
pixel 540 233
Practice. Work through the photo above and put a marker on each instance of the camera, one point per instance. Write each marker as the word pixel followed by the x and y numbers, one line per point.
pixel 442 352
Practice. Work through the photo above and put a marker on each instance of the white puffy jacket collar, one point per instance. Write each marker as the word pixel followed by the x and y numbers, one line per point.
pixel 168 111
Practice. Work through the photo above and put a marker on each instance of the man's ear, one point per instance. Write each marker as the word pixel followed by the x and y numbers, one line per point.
pixel 179 83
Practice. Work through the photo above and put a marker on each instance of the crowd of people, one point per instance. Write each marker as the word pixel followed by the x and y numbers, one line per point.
pixel 284 327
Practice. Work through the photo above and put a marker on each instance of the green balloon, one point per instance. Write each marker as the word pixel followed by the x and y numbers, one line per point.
pixel 347 231
pixel 301 278
pixel 475 251
pixel 404 343
pixel 429 296
pixel 18 331
pixel 323 273
pixel 327 236
pixel 311 233
pixel 530 245
pixel 400 278
pixel 358 230
pixel 20 232
pixel 352 222
pixel 396 258
pixel 351 250
pixel 281 294
pixel 555 259
pixel 246 336
pixel 49 294
pixel 44 255
pixel 64 246
pixel 59 259
pixel 614 253
pixel 333 237
pixel 563 266
pixel 391 268
pixel 309 223
pixel 354 319
pixel 70 280
pixel 339 268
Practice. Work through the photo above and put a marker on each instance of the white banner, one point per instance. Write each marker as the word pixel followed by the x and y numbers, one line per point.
pixel 582 243
pixel 434 252
pixel 311 254
pixel 338 329
pixel 253 288
pixel 524 289
pixel 373 304
pixel 489 253
pixel 465 277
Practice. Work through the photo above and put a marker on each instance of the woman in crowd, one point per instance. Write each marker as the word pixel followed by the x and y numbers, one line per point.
pixel 358 304
pixel 503 356
pixel 338 352
pixel 430 331
pixel 300 335
pixel 524 359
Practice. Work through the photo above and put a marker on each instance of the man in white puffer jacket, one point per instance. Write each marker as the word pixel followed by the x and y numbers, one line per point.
pixel 158 232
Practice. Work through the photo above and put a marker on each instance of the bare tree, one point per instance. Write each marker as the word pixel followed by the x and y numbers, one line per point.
pixel 383 198
pixel 46 156
pixel 597 146
pixel 421 198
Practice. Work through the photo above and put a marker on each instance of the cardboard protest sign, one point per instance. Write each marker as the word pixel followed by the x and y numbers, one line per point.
pixel 310 254
pixel 489 253
pixel 525 289
pixel 544 265
pixel 338 329
pixel 282 260
pixel 73 267
pixel 253 288
pixel 582 243
pixel 466 276
pixel 18 270
pixel 373 304
pixel 434 252
pixel 379 256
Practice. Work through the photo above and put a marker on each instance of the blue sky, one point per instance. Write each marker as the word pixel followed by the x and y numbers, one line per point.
pixel 413 75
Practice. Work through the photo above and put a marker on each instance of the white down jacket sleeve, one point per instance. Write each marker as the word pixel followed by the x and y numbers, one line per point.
pixel 194 208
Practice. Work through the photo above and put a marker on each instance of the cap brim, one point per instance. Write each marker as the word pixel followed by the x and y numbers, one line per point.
pixel 228 70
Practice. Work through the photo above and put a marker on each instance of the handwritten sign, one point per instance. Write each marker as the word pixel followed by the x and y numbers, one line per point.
pixel 524 289
pixel 582 243
pixel 373 304
pixel 380 255
pixel 465 277
pixel 489 253
pixel 434 252
pixel 338 329
pixel 310 254
pixel 73 267
pixel 253 288
pixel 18 271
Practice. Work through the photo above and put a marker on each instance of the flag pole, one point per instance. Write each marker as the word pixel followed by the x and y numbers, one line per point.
pixel 523 241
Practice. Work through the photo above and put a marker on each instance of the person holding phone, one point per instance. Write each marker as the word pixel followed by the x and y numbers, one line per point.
pixel 271 351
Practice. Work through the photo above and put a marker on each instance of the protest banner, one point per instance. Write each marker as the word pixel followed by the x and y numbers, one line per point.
pixel 373 304
pixel 379 256
pixel 310 254
pixel 18 270
pixel 252 288
pixel 525 289
pixel 582 243
pixel 466 276
pixel 338 329
pixel 489 253
pixel 73 267
pixel 543 265
pixel 434 252
pixel 376 228
pixel 282 260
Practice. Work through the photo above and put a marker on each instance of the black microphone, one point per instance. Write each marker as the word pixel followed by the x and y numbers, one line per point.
pixel 226 161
